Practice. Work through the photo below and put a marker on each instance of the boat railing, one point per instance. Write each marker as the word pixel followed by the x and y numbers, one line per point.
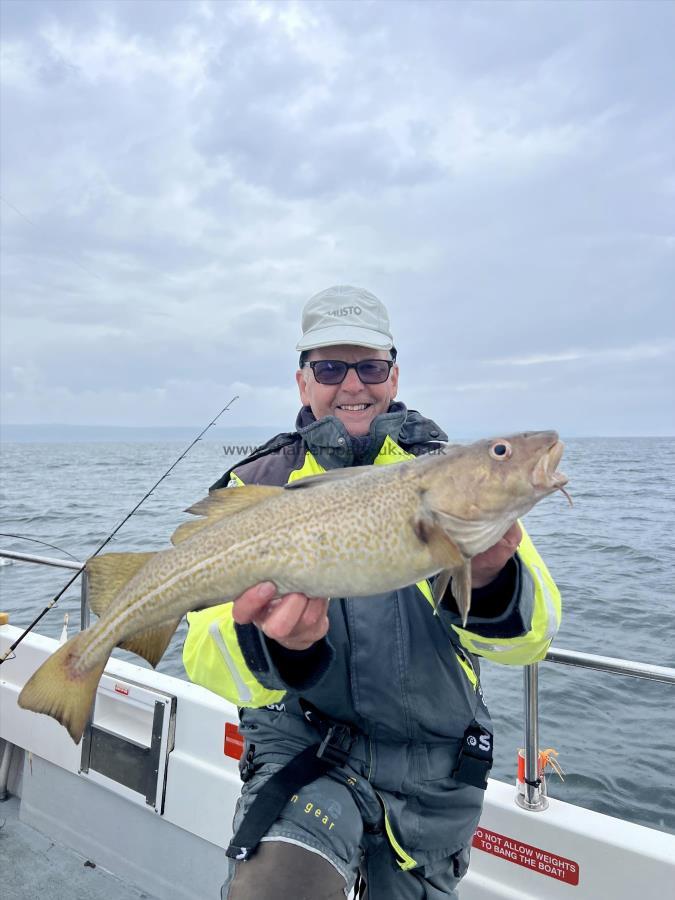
pixel 59 564
pixel 534 796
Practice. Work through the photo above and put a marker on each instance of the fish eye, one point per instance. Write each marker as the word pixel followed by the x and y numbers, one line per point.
pixel 501 450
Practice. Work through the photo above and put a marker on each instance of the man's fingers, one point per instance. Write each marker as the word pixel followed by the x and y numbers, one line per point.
pixel 282 619
pixel 252 602
pixel 487 565
pixel 514 536
pixel 294 620
pixel 316 611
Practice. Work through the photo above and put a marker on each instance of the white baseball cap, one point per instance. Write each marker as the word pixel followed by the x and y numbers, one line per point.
pixel 345 315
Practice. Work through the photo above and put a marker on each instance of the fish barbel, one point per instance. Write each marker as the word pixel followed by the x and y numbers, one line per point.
pixel 348 532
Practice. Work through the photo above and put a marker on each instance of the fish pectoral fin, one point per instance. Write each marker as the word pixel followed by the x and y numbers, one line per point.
pixel 151 643
pixel 460 586
pixel 57 690
pixel 108 574
pixel 456 566
pixel 221 503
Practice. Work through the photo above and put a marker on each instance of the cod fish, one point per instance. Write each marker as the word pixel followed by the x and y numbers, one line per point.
pixel 348 532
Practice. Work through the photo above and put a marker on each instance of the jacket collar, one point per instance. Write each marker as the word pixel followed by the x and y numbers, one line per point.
pixel 333 447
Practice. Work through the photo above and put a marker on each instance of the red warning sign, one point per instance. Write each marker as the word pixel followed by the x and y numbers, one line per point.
pixel 512 850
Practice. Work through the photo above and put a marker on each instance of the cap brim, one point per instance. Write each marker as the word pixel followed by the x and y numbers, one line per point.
pixel 344 334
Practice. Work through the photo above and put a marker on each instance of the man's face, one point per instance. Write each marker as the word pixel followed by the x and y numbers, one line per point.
pixel 355 404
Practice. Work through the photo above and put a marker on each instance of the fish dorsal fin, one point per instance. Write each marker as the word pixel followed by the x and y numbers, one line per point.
pixel 151 642
pixel 226 501
pixel 221 503
pixel 108 574
pixel 330 475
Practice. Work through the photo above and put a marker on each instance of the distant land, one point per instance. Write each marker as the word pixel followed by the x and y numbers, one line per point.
pixel 246 436
pixel 75 434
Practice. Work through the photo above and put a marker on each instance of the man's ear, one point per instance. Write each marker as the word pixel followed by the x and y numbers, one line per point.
pixel 300 378
pixel 393 377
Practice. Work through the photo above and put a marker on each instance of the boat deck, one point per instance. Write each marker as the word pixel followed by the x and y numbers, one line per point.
pixel 33 866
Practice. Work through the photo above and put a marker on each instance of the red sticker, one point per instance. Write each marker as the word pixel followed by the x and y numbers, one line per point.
pixel 120 689
pixel 512 850
pixel 234 741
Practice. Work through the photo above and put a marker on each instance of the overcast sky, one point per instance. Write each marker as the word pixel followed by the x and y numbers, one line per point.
pixel 178 177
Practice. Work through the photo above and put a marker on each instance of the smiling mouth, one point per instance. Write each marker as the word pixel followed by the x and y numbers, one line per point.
pixel 354 407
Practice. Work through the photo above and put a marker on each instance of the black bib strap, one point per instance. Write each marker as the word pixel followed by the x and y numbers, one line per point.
pixel 313 762
pixel 274 795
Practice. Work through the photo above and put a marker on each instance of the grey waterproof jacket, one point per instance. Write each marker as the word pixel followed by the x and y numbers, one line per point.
pixel 405 679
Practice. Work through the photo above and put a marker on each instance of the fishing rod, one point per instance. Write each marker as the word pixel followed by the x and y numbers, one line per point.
pixel 25 537
pixel 112 534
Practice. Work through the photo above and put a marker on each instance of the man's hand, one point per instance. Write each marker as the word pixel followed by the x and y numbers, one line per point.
pixel 487 565
pixel 294 620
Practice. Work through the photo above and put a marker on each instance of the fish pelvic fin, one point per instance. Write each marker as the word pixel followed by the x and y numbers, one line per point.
pixel 151 643
pixel 440 587
pixel 109 574
pixel 220 504
pixel 461 589
pixel 58 690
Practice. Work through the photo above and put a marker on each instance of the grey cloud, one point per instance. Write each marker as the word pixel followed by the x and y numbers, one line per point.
pixel 501 174
pixel 330 146
pixel 299 160
pixel 150 18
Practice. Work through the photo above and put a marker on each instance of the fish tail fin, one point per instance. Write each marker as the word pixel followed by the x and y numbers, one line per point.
pixel 58 690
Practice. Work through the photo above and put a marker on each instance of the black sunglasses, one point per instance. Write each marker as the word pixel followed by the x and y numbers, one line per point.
pixel 334 371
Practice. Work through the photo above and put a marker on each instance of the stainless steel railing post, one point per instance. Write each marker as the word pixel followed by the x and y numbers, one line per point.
pixel 534 798
pixel 5 762
pixel 41 560
pixel 84 602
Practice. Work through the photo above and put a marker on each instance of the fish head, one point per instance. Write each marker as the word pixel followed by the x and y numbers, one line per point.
pixel 476 492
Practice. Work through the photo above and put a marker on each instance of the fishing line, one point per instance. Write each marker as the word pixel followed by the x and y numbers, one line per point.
pixel 112 534
pixel 26 219
pixel 24 537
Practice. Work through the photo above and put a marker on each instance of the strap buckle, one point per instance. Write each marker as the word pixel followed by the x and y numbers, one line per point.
pixel 336 745
pixel 247 766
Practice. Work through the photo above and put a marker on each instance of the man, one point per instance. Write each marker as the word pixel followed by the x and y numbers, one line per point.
pixel 392 799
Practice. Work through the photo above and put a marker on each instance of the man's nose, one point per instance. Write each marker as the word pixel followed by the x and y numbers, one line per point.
pixel 352 381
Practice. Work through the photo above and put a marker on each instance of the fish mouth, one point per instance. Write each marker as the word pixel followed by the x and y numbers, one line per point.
pixel 545 477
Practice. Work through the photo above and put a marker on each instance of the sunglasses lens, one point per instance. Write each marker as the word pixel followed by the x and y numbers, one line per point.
pixel 334 371
pixel 373 371
pixel 330 371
